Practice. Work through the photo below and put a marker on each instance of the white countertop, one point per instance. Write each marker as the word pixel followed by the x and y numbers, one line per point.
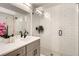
pixel 9 47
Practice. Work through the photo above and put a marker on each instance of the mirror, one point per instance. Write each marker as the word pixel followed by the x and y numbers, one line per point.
pixel 16 23
pixel 8 21
pixel 22 24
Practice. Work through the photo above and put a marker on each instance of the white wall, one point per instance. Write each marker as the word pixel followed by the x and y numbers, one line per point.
pixel 35 23
pixel 64 17
pixel 67 16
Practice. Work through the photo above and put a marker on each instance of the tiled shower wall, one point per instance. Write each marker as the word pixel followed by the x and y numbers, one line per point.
pixel 64 17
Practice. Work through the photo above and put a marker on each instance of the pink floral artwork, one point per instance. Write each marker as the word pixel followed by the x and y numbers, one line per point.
pixel 2 28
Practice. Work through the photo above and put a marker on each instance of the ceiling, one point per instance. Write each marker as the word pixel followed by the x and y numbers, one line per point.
pixel 11 7
pixel 45 5
pixel 35 5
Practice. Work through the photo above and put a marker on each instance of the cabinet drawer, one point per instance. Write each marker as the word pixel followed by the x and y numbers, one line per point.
pixel 33 45
pixel 18 52
pixel 34 52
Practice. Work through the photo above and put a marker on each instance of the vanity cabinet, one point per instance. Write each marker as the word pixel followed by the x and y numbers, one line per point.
pixel 31 49
pixel 34 52
pixel 18 52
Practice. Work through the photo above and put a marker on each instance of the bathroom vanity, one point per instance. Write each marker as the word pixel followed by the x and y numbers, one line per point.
pixel 29 46
pixel 17 19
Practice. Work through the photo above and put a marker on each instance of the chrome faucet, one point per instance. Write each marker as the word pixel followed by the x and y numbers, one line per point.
pixel 25 33
pixel 21 33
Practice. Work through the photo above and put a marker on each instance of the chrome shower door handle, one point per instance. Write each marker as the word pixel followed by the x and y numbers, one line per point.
pixel 60 32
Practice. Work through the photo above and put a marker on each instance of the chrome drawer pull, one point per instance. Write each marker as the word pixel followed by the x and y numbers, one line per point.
pixel 17 54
